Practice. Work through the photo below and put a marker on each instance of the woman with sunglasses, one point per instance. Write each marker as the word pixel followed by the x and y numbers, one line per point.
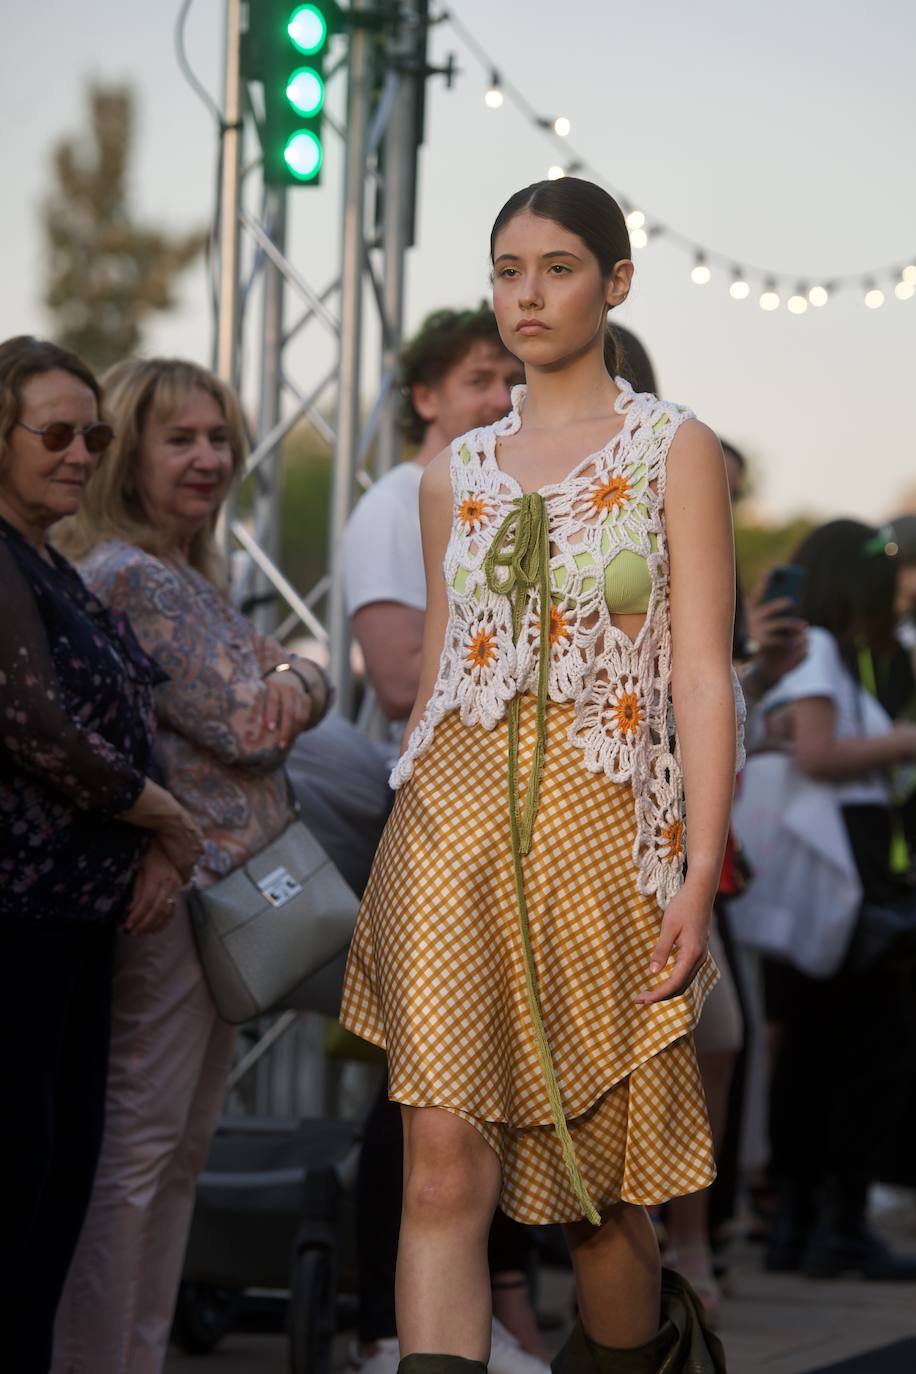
pixel 234 703
pixel 87 840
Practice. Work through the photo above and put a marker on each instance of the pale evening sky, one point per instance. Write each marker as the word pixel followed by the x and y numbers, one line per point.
pixel 779 133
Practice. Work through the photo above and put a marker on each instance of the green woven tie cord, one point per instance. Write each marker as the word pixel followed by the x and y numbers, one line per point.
pixel 517 560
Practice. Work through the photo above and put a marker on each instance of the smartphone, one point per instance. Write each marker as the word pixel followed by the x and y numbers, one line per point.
pixel 786 582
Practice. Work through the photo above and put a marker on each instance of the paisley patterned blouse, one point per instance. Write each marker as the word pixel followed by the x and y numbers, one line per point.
pixel 213 749
pixel 76 731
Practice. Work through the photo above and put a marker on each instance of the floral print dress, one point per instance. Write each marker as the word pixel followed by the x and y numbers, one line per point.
pixel 76 736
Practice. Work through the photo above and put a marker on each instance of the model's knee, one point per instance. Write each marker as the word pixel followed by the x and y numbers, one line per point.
pixel 447 1189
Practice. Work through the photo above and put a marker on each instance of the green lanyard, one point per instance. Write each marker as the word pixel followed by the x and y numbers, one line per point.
pixel 899 857
pixel 517 561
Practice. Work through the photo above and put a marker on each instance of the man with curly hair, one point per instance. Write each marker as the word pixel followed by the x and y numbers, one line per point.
pixel 455 376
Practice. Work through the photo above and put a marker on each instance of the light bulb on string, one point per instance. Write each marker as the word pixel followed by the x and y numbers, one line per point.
pixel 874 296
pixel 909 274
pixel 635 220
pixel 818 296
pixel 561 126
pixel 739 289
pixel 797 305
pixel 769 300
pixel 700 274
pixel 555 172
pixel 493 98
pixel 639 238
pixel 905 290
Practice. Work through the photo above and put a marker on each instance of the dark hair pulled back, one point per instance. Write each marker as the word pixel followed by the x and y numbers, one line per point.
pixel 586 210
pixel 851 581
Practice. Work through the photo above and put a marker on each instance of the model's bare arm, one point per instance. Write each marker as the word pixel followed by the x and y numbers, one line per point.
pixel 701 546
pixel 435 527
pixel 390 635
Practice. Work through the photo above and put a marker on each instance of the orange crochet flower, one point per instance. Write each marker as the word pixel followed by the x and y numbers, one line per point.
pixel 559 626
pixel 627 711
pixel 672 841
pixel 482 651
pixel 473 512
pixel 613 492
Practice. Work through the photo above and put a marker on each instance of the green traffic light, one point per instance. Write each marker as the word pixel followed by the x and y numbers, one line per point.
pixel 305 91
pixel 303 155
pixel 307 29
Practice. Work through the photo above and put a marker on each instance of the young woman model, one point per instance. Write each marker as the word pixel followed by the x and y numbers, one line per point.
pixel 527 950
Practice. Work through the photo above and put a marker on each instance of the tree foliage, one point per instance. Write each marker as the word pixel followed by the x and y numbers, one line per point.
pixel 106 272
pixel 761 546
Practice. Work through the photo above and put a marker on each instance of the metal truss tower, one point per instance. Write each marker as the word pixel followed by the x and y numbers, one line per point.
pixel 385 68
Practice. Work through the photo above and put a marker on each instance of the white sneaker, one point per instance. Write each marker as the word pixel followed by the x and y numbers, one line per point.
pixel 385 1360
pixel 508 1357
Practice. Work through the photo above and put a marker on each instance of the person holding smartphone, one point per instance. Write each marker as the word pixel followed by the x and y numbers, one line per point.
pixel 845 1041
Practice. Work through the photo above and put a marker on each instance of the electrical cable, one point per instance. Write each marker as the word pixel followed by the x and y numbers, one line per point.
pixel 903 278
pixel 187 70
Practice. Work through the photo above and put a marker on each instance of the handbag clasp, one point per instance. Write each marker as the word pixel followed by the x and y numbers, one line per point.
pixel 279 886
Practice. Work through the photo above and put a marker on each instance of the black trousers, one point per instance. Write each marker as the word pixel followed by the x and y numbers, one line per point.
pixel 55 1021
pixel 847 1043
pixel 379 1190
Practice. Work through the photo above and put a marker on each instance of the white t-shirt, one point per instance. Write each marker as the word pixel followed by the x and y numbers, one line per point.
pixel 858 714
pixel 382 549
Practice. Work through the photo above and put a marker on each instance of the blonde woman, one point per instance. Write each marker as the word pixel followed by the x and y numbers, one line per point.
pixel 226 719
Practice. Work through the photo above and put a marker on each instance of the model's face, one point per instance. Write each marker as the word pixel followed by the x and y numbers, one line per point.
pixel 549 295
pixel 474 392
pixel 185 465
pixel 38 486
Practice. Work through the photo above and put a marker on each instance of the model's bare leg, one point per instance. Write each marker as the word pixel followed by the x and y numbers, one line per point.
pixel 618 1276
pixel 451 1188
pixel 687 1218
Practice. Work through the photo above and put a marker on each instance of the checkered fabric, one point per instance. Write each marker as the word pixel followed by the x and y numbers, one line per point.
pixel 436 975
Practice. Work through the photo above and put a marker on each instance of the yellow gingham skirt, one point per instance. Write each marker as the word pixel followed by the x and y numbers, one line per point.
pixel 436 976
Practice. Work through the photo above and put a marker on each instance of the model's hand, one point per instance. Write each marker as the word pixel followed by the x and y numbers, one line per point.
pixel 155 893
pixel 685 933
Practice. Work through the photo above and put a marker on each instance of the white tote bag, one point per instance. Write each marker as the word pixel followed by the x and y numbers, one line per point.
pixel 802 902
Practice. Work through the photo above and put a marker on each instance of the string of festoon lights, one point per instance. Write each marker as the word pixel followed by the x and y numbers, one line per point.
pixel 774 289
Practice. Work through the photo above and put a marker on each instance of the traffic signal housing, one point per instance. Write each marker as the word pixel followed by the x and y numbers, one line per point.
pixel 285 49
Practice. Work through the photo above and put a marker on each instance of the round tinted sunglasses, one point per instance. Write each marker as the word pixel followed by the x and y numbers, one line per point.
pixel 60 435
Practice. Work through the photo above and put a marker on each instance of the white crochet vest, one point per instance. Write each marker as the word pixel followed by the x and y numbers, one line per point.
pixel 611 501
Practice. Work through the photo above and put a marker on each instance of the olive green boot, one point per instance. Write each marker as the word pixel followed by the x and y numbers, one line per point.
pixel 440 1364
pixel 682 1345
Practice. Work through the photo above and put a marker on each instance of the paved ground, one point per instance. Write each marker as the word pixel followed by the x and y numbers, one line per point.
pixel 772 1324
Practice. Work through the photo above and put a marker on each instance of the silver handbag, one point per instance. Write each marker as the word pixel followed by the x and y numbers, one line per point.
pixel 271 928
